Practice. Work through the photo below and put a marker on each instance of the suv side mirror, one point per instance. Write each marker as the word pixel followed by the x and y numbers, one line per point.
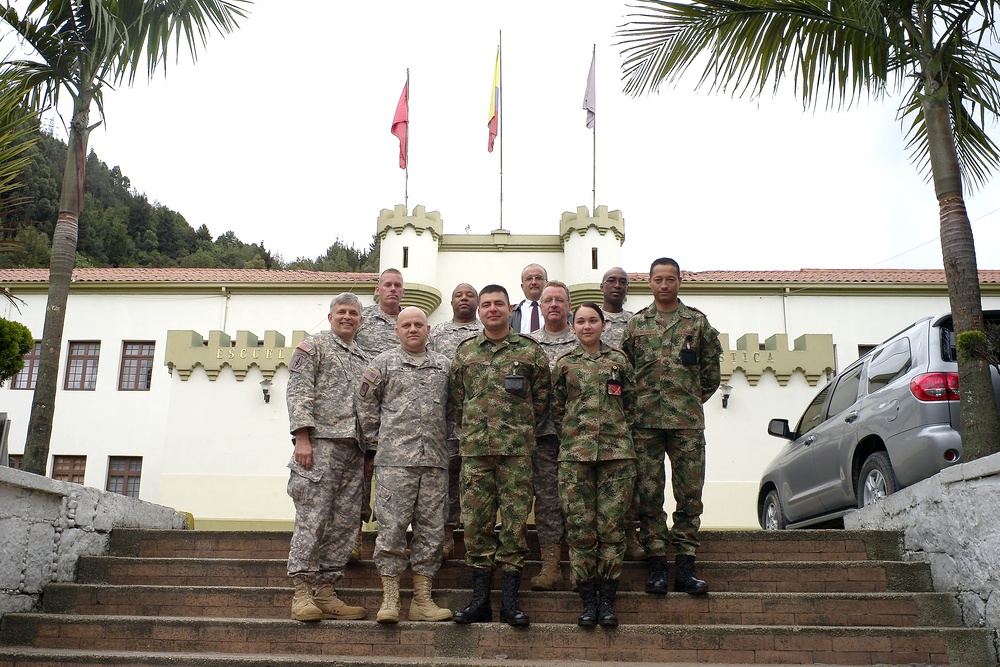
pixel 779 429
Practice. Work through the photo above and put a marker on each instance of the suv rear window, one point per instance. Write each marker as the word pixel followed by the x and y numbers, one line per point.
pixel 888 364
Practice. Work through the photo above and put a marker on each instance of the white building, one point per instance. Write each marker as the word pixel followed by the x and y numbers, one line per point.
pixel 168 363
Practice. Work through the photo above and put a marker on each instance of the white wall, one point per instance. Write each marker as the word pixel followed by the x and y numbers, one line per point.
pixel 215 449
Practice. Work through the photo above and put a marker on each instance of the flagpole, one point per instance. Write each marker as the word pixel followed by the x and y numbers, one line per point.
pixel 593 152
pixel 406 180
pixel 502 112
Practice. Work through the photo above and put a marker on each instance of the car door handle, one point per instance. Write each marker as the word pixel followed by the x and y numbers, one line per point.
pixel 852 417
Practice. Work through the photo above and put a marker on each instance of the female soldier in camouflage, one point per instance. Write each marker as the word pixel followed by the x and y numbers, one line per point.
pixel 591 405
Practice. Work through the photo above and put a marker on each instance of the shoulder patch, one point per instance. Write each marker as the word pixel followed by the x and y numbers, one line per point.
pixel 305 346
pixel 370 375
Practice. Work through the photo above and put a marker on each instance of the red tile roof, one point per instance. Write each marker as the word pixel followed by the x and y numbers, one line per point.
pixel 173 275
pixel 150 275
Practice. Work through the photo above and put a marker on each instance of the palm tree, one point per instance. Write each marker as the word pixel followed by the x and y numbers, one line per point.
pixel 939 55
pixel 78 48
pixel 18 133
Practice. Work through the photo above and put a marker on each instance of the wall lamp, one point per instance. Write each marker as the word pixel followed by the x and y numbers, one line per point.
pixel 727 389
pixel 265 386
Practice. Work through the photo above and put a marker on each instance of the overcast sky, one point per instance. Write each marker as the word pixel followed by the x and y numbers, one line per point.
pixel 280 133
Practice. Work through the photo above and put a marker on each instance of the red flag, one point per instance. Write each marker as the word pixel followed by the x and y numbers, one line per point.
pixel 494 105
pixel 401 122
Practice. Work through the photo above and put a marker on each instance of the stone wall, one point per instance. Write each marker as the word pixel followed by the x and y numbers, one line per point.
pixel 46 525
pixel 951 522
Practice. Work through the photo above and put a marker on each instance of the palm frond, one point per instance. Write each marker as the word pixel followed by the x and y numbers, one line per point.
pixel 833 51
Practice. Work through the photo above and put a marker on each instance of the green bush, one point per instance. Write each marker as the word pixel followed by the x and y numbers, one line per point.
pixel 15 342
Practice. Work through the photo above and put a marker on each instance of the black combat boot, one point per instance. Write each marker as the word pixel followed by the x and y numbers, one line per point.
pixel 510 607
pixel 684 579
pixel 588 594
pixel 606 603
pixel 657 583
pixel 479 609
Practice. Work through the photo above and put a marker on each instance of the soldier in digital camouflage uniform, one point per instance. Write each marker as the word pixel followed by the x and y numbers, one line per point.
pixel 592 390
pixel 676 356
pixel 614 288
pixel 401 409
pixel 556 338
pixel 326 467
pixel 376 335
pixel 499 393
pixel 445 338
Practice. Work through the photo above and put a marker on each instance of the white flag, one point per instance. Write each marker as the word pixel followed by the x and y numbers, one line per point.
pixel 590 97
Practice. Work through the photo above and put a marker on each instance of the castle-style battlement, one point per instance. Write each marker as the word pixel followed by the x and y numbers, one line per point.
pixel 581 221
pixel 397 220
pixel 187 349
pixel 813 355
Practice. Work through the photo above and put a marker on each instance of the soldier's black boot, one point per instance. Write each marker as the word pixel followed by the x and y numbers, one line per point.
pixel 479 609
pixel 606 603
pixel 684 579
pixel 657 583
pixel 588 593
pixel 510 607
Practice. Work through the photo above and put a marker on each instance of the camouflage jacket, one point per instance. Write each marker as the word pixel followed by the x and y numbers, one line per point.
pixel 323 377
pixel 494 421
pixel 446 336
pixel 615 328
pixel 377 332
pixel 593 417
pixel 554 345
pixel 670 393
pixel 400 404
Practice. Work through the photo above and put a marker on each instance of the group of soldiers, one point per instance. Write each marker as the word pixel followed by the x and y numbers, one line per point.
pixel 502 409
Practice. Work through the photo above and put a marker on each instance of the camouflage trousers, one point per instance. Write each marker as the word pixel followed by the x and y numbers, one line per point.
pixel 595 496
pixel 686 451
pixel 409 496
pixel 545 474
pixel 491 484
pixel 452 508
pixel 326 498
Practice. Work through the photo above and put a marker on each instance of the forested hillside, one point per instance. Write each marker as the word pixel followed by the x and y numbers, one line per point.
pixel 120 227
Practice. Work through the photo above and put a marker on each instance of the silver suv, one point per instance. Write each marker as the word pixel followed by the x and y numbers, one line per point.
pixel 888 420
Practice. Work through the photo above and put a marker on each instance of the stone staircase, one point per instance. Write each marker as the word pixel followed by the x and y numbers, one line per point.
pixel 222 598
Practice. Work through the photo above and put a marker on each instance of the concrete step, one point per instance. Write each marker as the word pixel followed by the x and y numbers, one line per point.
pixel 749 545
pixel 426 642
pixel 866 576
pixel 827 609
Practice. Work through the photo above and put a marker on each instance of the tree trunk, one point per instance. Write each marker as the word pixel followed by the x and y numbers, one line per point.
pixel 980 421
pixel 43 404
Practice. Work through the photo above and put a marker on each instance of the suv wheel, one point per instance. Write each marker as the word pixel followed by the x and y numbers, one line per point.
pixel 771 517
pixel 876 480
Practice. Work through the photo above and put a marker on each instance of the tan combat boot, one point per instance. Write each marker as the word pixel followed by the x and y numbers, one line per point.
pixel 423 607
pixel 333 607
pixel 303 607
pixel 389 611
pixel 448 546
pixel 550 578
pixel 356 551
pixel 633 550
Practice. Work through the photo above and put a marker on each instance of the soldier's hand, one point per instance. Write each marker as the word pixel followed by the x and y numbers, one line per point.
pixel 303 451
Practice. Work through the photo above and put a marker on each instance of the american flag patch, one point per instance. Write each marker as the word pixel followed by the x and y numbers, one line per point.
pixel 305 347
pixel 371 375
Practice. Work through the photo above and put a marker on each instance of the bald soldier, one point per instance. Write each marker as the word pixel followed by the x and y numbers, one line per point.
pixel 614 287
pixel 400 404
pixel 445 338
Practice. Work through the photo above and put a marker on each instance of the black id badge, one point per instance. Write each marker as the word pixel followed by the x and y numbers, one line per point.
pixel 688 355
pixel 514 383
